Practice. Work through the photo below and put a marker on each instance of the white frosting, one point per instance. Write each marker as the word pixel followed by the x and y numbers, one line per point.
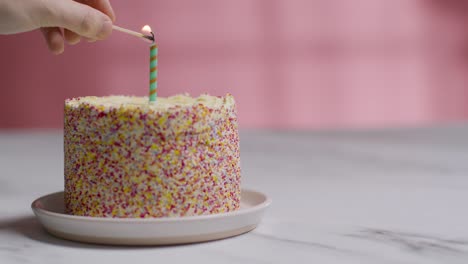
pixel 162 103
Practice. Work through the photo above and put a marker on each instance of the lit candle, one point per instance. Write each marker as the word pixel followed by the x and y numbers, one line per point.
pixel 153 83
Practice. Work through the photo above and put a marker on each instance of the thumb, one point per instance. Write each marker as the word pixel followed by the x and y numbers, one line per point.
pixel 79 18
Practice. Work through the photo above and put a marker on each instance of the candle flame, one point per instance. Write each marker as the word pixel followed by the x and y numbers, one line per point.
pixel 146 29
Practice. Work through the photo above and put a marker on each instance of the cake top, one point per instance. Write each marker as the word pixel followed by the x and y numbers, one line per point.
pixel 161 104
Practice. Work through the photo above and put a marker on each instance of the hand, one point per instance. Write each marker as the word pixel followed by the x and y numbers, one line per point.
pixel 91 19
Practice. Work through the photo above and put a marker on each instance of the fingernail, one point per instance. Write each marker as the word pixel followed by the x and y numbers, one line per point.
pixel 113 16
pixel 57 51
pixel 106 30
pixel 74 42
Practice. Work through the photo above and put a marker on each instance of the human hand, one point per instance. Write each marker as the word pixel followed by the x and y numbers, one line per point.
pixel 91 19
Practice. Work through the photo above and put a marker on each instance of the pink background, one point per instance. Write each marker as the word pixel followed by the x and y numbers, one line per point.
pixel 289 63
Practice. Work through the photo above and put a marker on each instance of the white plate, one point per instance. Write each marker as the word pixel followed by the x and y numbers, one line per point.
pixel 49 210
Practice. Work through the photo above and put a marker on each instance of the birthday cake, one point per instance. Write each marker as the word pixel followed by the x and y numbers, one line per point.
pixel 126 157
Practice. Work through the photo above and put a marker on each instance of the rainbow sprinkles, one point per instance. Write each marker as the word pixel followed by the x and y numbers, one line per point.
pixel 127 158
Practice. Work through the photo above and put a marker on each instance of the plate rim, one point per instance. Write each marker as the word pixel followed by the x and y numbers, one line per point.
pixel 261 206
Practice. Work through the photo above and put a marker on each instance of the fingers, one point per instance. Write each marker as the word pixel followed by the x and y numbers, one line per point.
pixel 54 39
pixel 82 19
pixel 102 5
pixel 91 19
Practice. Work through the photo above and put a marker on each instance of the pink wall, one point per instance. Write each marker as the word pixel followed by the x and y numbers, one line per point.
pixel 295 63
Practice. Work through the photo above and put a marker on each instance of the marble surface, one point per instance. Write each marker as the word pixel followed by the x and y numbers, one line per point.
pixel 393 196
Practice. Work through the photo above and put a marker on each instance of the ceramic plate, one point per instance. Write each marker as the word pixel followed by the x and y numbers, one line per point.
pixel 49 210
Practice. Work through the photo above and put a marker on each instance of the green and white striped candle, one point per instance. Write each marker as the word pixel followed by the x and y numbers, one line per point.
pixel 153 84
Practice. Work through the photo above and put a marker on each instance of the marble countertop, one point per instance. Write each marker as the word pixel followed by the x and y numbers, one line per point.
pixel 392 196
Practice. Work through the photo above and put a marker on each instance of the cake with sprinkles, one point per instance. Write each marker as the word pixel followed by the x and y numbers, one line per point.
pixel 126 157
